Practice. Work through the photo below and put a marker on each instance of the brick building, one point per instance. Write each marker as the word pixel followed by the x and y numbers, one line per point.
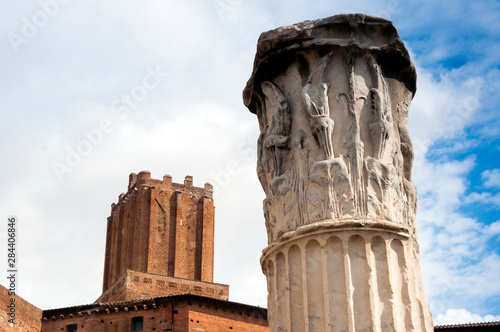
pixel 170 313
pixel 158 270
pixel 158 267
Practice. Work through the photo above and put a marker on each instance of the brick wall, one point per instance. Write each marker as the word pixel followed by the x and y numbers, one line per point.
pixel 180 313
pixel 27 315
pixel 213 317
pixel 134 285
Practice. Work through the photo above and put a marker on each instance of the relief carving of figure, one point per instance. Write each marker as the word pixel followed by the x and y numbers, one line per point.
pixel 381 128
pixel 300 154
pixel 330 191
pixel 318 114
pixel 278 126
pixel 383 189
pixel 272 143
pixel 353 143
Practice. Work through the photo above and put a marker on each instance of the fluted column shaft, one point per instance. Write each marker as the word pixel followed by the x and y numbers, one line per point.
pixel 345 279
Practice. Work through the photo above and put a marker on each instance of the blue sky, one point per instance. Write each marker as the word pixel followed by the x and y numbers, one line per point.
pixel 68 78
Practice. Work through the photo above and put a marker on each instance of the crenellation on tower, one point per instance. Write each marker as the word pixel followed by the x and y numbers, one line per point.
pixel 188 181
pixel 162 228
pixel 167 179
pixel 209 189
pixel 132 179
pixel 143 177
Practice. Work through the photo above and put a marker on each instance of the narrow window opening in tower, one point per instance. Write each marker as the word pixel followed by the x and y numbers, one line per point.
pixel 137 323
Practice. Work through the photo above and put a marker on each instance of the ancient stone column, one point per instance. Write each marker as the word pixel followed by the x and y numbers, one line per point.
pixel 334 159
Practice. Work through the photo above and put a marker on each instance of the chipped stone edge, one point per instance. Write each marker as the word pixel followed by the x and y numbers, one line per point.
pixel 288 38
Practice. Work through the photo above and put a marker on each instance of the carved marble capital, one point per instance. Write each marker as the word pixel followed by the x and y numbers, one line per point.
pixel 332 99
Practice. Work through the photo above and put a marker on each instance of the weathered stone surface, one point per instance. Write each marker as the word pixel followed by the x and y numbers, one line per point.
pixel 345 279
pixel 332 98
pixel 334 155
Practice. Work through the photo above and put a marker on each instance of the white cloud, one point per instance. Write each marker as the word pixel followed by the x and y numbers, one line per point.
pixel 441 108
pixel 494 227
pixel 457 264
pixel 491 178
pixel 485 198
pixel 462 316
pixel 456 260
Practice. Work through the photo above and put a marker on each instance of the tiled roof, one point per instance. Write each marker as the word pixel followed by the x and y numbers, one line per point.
pixel 152 300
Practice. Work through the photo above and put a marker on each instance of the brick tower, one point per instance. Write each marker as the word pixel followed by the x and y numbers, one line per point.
pixel 160 241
